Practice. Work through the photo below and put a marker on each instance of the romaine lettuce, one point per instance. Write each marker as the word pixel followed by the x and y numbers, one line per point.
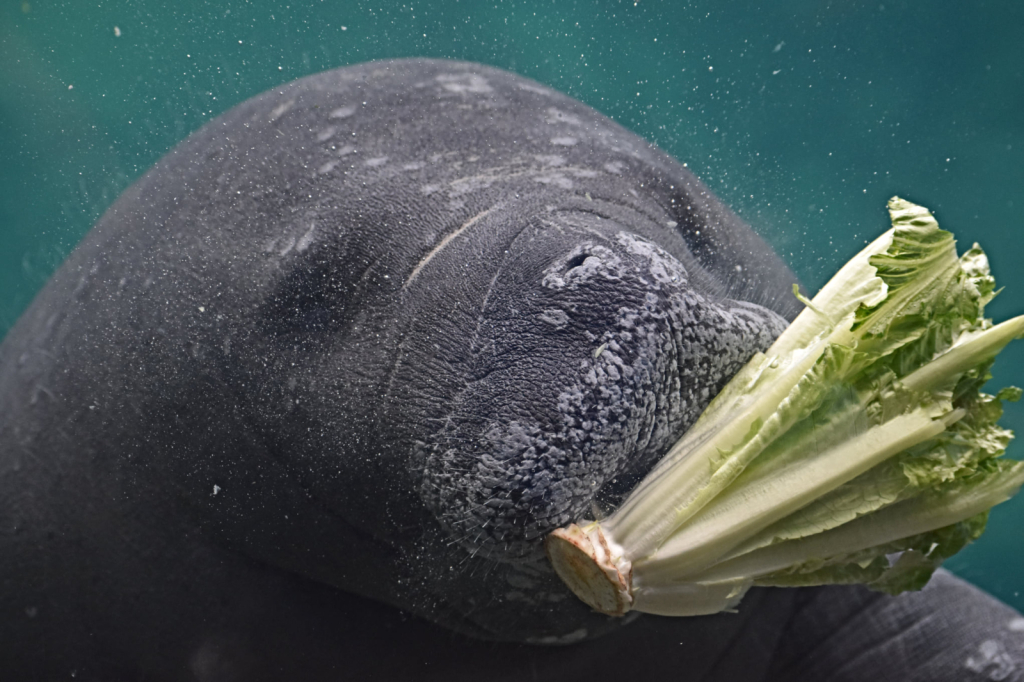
pixel 858 448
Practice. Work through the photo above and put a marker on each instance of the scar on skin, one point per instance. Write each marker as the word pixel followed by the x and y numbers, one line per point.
pixel 440 247
pixel 343 112
pixel 326 134
pixel 281 109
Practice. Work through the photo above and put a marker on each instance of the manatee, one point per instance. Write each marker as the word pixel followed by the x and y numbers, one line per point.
pixel 306 400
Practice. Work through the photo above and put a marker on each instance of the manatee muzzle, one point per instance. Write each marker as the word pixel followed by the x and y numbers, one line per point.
pixel 597 366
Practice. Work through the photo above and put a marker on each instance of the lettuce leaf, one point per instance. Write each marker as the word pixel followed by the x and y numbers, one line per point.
pixel 858 448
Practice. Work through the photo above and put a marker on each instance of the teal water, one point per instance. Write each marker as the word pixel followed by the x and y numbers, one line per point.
pixel 804 116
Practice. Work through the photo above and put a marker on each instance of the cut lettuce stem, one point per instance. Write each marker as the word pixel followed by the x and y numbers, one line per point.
pixel 860 436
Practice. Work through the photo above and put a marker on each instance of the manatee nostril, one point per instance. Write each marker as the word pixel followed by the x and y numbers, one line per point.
pixel 576 261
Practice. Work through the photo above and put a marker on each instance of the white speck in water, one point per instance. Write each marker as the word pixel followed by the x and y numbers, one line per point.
pixel 117 32
pixel 216 489
pixel 600 349
pixel 739 268
pixel 202 309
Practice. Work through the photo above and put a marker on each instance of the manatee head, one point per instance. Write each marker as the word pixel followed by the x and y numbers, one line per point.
pixel 486 312
pixel 595 350
pixel 382 328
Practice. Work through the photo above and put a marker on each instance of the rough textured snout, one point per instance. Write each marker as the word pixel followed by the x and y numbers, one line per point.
pixel 585 374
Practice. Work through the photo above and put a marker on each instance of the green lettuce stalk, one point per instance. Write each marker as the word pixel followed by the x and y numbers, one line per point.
pixel 857 449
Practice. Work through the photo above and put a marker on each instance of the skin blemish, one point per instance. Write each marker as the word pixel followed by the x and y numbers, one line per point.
pixel 555 317
pixel 343 112
pixel 558 116
pixel 464 83
pixel 992 660
pixel 281 109
pixel 326 134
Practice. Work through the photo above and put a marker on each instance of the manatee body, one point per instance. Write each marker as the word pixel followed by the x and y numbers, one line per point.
pixel 358 344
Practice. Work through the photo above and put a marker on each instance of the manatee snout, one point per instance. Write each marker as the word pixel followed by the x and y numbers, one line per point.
pixel 586 372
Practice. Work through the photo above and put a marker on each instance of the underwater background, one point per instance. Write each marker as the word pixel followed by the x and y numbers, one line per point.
pixel 804 116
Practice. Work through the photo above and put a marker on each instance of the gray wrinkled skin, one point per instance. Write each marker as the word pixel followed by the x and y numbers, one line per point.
pixel 641 353
pixel 305 401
